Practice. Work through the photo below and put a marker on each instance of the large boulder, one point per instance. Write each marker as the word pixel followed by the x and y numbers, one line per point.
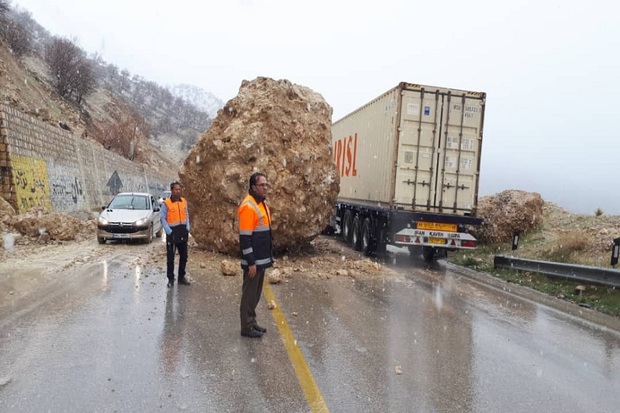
pixel 506 213
pixel 282 130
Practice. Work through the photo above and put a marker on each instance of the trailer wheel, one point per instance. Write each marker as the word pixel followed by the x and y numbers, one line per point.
pixel 368 246
pixel 381 242
pixel 347 222
pixel 356 239
pixel 429 253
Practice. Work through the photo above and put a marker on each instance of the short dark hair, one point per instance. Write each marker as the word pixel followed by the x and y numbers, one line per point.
pixel 254 178
pixel 175 183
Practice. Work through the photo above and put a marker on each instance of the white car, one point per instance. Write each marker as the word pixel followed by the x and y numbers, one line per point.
pixel 130 215
pixel 164 195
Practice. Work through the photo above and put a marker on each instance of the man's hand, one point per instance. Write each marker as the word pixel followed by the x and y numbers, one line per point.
pixel 252 271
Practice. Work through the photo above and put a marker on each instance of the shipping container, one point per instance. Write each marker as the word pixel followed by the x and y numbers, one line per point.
pixel 409 164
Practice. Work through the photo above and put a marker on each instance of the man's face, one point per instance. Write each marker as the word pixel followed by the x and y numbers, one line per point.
pixel 176 192
pixel 261 187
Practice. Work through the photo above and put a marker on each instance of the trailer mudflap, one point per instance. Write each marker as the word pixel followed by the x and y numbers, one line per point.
pixel 435 239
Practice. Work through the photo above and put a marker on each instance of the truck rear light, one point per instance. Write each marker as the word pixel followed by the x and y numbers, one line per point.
pixel 402 238
pixel 468 244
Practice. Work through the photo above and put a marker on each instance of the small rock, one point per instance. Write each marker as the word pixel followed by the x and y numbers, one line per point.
pixel 228 267
pixel 274 277
pixel 4 381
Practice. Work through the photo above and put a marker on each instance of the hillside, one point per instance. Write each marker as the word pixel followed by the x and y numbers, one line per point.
pixel 127 114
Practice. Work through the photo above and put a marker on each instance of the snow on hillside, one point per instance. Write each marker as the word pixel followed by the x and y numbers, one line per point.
pixel 198 97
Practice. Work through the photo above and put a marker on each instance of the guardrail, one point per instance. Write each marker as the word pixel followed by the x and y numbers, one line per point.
pixel 581 273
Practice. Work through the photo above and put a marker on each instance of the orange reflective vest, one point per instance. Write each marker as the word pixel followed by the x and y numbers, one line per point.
pixel 177 212
pixel 254 233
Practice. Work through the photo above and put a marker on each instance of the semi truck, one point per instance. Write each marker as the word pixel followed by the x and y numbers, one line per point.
pixel 409 164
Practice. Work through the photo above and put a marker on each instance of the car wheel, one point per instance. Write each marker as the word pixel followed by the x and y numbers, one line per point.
pixel 150 237
pixel 101 240
pixel 160 232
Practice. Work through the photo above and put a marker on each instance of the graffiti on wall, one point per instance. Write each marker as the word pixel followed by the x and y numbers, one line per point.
pixel 67 193
pixel 135 184
pixel 58 180
pixel 32 188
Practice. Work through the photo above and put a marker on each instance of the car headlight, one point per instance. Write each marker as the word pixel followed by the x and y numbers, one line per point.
pixel 141 222
pixel 102 221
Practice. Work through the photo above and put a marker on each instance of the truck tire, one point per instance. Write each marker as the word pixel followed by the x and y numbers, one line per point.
pixel 429 253
pixel 356 234
pixel 367 241
pixel 381 242
pixel 347 226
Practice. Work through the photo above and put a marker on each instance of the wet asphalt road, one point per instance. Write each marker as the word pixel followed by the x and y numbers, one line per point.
pixel 115 339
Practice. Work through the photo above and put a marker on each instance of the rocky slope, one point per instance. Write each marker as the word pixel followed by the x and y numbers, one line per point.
pixel 104 115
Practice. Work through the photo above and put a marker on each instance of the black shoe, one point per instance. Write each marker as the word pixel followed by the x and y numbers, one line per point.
pixel 252 333
pixel 170 284
pixel 184 281
pixel 260 329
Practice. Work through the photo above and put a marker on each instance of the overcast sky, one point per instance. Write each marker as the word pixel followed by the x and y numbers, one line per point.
pixel 551 69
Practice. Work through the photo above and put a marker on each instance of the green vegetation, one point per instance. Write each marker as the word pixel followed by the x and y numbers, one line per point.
pixel 598 212
pixel 600 298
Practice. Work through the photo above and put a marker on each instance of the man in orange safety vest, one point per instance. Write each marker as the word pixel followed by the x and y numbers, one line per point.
pixel 255 242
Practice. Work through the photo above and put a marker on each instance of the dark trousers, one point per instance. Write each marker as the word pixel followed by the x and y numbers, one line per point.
pixel 171 248
pixel 250 296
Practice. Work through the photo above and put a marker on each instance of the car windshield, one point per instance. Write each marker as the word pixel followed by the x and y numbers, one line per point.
pixel 129 202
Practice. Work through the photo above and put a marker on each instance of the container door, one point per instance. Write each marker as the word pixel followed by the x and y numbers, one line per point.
pixel 459 154
pixel 439 149
pixel 418 150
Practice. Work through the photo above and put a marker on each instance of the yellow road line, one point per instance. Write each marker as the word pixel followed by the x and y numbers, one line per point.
pixel 304 375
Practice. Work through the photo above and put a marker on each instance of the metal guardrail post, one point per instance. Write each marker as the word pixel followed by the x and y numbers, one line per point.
pixel 572 272
pixel 614 252
pixel 515 240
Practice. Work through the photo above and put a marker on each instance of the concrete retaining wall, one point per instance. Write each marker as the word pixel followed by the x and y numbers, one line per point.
pixel 48 167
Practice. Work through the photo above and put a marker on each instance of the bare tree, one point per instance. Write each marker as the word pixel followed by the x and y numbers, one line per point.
pixel 4 7
pixel 73 74
pixel 17 36
pixel 13 30
pixel 85 80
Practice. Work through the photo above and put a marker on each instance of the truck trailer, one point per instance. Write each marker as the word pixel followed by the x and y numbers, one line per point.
pixel 409 164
